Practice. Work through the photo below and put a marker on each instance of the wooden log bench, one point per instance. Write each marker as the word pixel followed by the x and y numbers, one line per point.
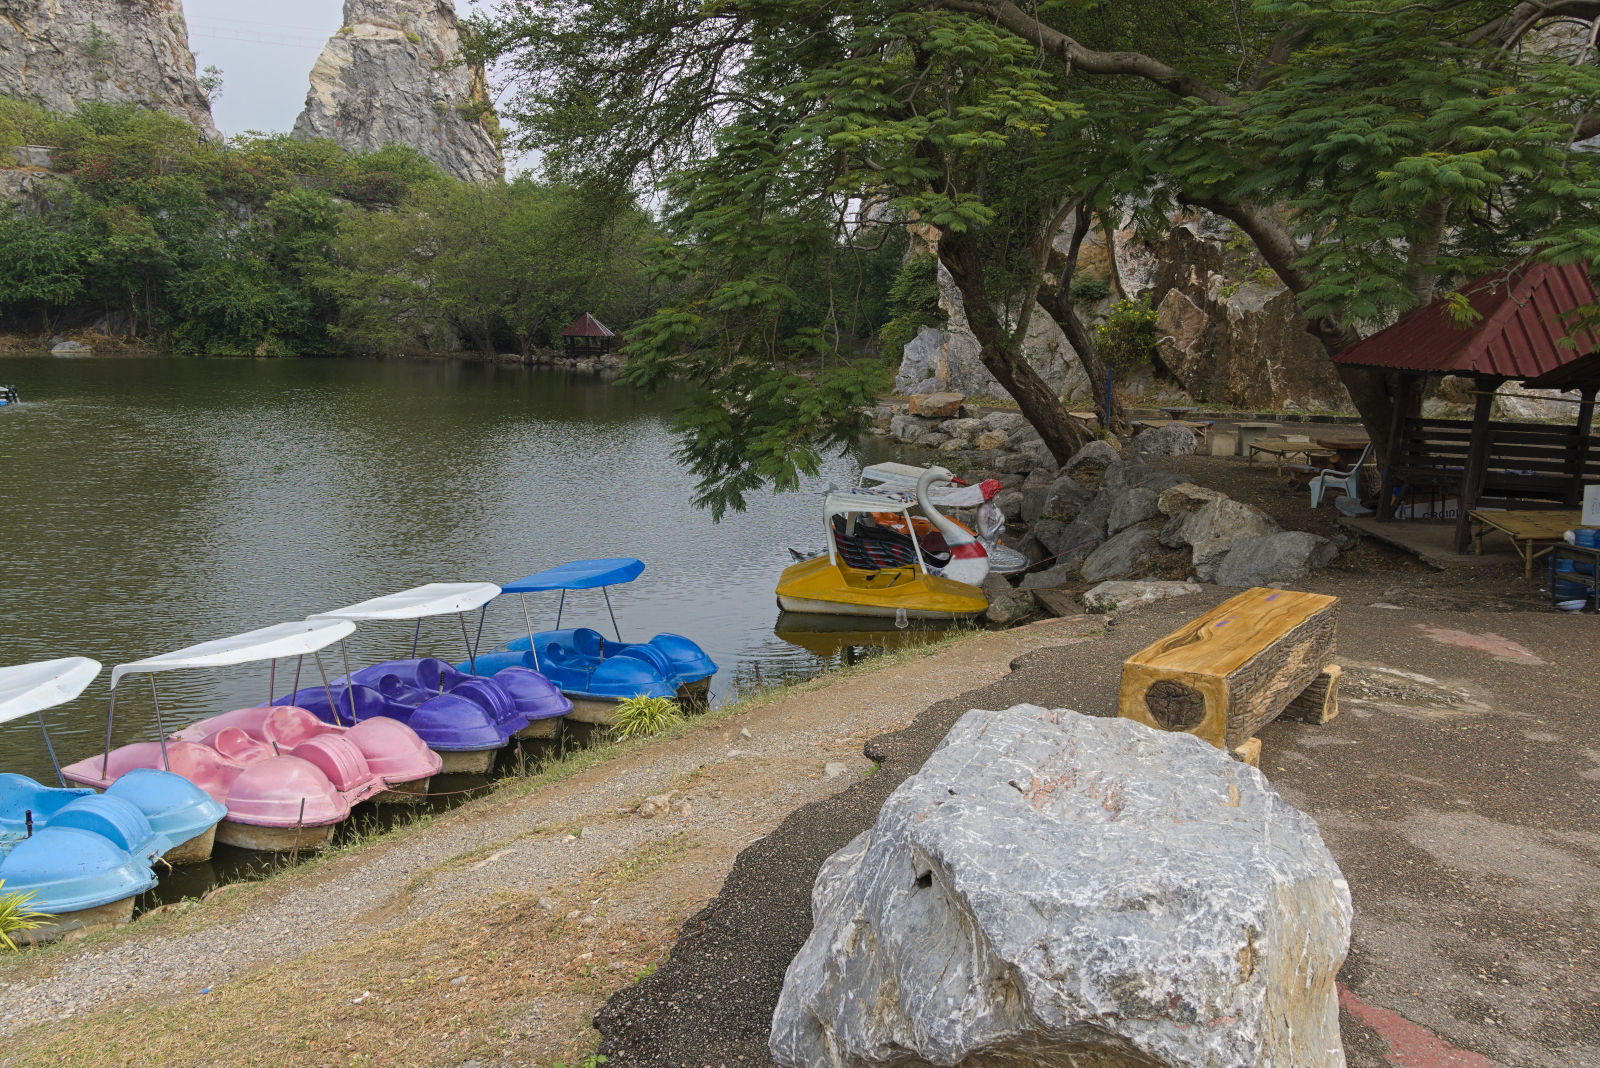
pixel 1227 674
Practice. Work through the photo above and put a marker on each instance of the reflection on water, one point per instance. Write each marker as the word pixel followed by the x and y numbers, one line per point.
pixel 147 504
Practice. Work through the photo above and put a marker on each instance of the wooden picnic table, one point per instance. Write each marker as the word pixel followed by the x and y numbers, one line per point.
pixel 1532 533
pixel 1280 449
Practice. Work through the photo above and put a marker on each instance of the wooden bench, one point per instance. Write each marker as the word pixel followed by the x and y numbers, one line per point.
pixel 1229 673
pixel 1528 465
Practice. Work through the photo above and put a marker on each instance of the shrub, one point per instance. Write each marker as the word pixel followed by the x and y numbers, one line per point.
pixel 913 303
pixel 1126 340
pixel 640 717
pixel 16 916
pixel 1088 289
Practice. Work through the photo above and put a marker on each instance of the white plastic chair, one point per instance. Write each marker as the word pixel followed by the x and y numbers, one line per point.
pixel 1329 478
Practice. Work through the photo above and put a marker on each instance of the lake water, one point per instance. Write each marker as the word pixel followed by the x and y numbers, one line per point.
pixel 148 504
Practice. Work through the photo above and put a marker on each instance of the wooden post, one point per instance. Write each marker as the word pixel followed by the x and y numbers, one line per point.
pixel 1580 444
pixel 1397 427
pixel 1477 460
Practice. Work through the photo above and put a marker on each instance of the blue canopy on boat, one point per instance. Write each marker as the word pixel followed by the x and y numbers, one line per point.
pixel 579 575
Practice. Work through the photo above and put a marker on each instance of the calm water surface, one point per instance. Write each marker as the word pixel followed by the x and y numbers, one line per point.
pixel 147 504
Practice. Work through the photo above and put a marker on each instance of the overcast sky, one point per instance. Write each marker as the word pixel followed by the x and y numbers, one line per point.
pixel 265 52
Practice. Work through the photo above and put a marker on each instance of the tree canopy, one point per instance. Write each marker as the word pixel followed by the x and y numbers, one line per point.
pixel 1371 150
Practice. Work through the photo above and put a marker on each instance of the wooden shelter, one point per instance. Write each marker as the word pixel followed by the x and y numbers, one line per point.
pixel 1516 335
pixel 588 336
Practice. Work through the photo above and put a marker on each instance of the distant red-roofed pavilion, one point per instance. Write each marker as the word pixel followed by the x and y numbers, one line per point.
pixel 588 335
pixel 1520 320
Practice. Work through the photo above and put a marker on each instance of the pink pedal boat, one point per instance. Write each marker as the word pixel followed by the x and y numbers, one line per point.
pixel 287 778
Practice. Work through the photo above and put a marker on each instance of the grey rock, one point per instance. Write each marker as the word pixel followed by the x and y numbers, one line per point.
pixel 1049 579
pixel 1124 596
pixel 1049 533
pixel 1186 497
pixel 951 356
pixel 1010 504
pixel 1033 498
pixel 954 445
pixel 393 75
pixel 962 428
pixel 1096 454
pixel 1130 506
pixel 1010 606
pixel 833 769
pixel 60 55
pixel 907 428
pixel 1160 481
pixel 1120 554
pixel 989 440
pixel 1015 463
pixel 1007 421
pixel 1273 559
pixel 932 439
pixel 1170 440
pixel 1058 889
pixel 1215 528
pixel 1024 437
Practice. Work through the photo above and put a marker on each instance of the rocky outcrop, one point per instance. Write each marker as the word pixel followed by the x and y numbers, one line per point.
pixel 948 358
pixel 62 54
pixel 1232 333
pixel 393 74
pixel 1053 889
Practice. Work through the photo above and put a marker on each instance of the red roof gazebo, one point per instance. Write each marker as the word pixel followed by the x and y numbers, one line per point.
pixel 1517 333
pixel 588 334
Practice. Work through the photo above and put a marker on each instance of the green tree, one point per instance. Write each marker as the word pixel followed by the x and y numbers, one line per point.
pixel 1370 150
pixel 40 266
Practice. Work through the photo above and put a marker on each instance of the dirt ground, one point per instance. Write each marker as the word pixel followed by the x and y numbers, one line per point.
pixel 1458 791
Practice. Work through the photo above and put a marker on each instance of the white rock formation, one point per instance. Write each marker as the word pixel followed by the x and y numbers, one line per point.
pixel 1057 890
pixel 393 75
pixel 62 53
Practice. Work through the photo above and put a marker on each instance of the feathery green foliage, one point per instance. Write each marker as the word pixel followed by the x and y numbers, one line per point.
pixel 17 915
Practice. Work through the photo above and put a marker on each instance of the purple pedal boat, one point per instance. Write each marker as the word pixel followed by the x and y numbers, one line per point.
pixel 463 718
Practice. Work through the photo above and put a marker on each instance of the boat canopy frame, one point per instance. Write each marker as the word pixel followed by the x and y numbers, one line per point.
pixel 419 603
pixel 29 689
pixel 601 573
pixel 270 644
pixel 859 502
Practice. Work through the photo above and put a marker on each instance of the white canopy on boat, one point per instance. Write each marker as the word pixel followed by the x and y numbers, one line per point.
pixel 433 599
pixel 29 688
pixel 893 474
pixel 847 503
pixel 269 643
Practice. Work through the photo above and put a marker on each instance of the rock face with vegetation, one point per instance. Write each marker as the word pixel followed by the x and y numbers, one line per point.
pixel 60 55
pixel 1229 331
pixel 1056 889
pixel 394 74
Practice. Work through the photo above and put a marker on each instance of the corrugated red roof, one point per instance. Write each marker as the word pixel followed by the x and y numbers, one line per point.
pixel 1518 335
pixel 587 325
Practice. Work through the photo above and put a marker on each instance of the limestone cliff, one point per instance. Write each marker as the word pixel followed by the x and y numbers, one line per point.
pixel 393 75
pixel 1231 332
pixel 60 53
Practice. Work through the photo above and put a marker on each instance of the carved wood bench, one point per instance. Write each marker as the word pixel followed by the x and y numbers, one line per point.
pixel 1227 674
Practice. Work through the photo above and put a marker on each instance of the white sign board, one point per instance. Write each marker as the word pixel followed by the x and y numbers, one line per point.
pixel 1591 506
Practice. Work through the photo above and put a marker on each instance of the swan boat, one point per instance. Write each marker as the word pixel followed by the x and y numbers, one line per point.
pixel 594 673
pixel 874 568
pixel 286 781
pixel 464 718
pixel 85 856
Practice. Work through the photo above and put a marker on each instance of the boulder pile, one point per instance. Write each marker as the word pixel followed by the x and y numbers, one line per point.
pixel 1057 889
pixel 1106 515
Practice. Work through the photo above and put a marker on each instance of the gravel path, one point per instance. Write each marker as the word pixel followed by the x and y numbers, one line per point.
pixel 740 777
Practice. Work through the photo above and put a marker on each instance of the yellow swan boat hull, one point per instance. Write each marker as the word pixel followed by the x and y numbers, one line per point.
pixel 823 586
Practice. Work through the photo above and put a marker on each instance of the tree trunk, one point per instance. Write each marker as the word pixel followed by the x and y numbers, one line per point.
pixel 1058 302
pixel 1002 355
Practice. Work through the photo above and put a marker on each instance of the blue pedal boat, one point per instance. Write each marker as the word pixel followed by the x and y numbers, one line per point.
pixel 86 856
pixel 593 672
pixel 465 718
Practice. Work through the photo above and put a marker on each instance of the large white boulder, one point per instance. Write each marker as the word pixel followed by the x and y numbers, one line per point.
pixel 1055 890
